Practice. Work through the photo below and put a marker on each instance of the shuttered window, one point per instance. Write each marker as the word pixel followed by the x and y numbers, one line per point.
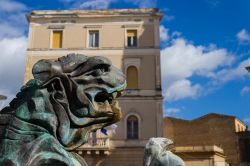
pixel 132 77
pixel 57 39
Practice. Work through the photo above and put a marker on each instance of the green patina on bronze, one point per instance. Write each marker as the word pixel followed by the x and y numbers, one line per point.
pixel 54 113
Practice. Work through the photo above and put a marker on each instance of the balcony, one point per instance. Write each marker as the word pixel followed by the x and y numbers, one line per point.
pixel 97 144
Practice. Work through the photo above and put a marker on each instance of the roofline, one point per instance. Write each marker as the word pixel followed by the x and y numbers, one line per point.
pixel 204 116
pixel 126 12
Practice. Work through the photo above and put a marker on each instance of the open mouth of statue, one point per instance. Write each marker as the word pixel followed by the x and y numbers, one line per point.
pixel 105 104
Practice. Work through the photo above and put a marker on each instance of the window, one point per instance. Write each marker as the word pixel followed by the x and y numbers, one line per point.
pixel 93 39
pixel 132 127
pixel 131 38
pixel 132 77
pixel 57 39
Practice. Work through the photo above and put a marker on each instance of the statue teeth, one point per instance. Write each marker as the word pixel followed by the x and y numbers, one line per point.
pixel 95 106
pixel 114 95
pixel 106 102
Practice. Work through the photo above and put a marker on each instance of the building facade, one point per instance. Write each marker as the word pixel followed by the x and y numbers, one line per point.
pixel 209 130
pixel 130 39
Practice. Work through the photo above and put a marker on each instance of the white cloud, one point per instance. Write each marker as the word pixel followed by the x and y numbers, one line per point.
pixel 13 48
pixel 245 90
pixel 144 3
pixel 182 60
pixel 171 111
pixel 11 6
pixel 12 64
pixel 96 4
pixel 182 89
pixel 243 36
pixel 89 4
pixel 237 72
pixel 163 33
pixel 12 19
pixel 104 4
pixel 168 17
pixel 9 31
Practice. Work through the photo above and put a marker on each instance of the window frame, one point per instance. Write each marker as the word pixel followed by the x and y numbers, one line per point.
pixel 126 37
pixel 136 62
pixel 88 38
pixel 134 41
pixel 139 125
pixel 132 125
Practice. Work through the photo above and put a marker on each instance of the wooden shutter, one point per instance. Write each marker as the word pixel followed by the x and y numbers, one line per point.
pixel 57 39
pixel 131 33
pixel 132 77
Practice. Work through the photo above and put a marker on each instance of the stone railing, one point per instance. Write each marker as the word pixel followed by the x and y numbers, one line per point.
pixel 97 143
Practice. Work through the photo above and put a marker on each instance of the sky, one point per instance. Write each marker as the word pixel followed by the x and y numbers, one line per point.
pixel 205 47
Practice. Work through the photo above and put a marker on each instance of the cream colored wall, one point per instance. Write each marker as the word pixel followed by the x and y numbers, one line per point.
pixel 74 37
pixel 146 36
pixel 39 37
pixel 112 36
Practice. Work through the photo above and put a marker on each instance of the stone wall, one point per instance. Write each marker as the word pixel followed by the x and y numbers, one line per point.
pixel 209 130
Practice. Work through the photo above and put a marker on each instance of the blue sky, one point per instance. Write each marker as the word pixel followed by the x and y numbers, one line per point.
pixel 205 45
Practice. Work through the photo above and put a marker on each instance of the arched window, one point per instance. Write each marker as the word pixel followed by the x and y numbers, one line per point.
pixel 132 77
pixel 132 127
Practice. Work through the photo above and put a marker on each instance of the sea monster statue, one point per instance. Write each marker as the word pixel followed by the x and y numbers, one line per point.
pixel 54 113
pixel 156 153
